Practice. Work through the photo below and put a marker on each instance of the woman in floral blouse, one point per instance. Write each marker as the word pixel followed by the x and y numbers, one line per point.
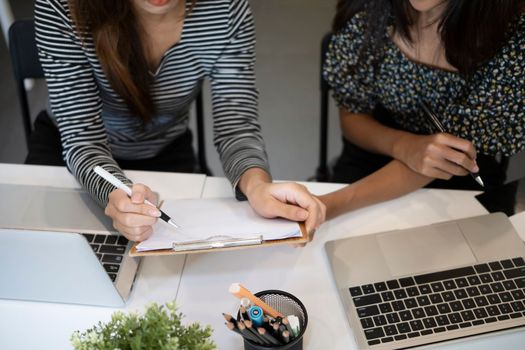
pixel 464 59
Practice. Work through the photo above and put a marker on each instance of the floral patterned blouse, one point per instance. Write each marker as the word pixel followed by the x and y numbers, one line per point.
pixel 487 109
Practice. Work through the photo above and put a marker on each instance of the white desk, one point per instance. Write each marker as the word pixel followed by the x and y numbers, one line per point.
pixel 203 293
pixel 31 325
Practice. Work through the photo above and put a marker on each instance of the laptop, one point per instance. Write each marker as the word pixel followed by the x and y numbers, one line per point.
pixel 414 287
pixel 60 247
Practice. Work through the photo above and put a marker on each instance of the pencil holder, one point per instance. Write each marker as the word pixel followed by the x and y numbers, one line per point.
pixel 287 304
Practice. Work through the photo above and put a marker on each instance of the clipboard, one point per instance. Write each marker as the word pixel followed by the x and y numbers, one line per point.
pixel 219 245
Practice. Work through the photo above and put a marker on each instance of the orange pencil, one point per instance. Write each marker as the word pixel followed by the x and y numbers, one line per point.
pixel 241 292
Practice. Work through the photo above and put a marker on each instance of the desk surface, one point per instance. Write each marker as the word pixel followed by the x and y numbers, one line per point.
pixel 203 293
pixel 32 325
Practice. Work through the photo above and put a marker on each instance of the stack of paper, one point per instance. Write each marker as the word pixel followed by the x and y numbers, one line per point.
pixel 214 220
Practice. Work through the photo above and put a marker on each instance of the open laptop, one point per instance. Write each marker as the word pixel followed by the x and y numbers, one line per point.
pixel 59 247
pixel 413 287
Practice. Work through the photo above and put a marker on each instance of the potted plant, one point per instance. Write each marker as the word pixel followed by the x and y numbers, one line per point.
pixel 160 327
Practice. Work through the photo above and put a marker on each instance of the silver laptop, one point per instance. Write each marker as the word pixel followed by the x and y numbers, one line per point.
pixel 60 247
pixel 430 284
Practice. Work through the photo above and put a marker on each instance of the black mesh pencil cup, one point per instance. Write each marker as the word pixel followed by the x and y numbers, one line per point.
pixel 286 304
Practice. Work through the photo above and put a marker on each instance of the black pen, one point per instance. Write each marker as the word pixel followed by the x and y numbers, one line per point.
pixel 435 121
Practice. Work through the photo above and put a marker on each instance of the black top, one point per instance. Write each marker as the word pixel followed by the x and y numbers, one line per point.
pixel 487 109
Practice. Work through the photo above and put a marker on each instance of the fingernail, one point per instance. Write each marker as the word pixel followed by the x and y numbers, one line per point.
pixel 303 215
pixel 476 168
pixel 154 212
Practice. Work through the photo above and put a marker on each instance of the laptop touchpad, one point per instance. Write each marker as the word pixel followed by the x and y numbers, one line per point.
pixel 425 249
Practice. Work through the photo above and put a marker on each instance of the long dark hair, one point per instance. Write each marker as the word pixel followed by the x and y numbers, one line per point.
pixel 115 30
pixel 472 31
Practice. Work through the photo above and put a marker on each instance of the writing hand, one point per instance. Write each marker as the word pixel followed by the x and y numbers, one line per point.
pixel 131 217
pixel 438 156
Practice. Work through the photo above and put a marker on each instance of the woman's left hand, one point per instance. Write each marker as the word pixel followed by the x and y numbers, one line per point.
pixel 291 201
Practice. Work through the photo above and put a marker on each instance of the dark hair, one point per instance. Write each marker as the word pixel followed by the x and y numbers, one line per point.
pixel 472 31
pixel 115 30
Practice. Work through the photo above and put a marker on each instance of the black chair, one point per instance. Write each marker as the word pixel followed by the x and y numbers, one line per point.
pixel 201 145
pixel 26 65
pixel 24 57
pixel 322 173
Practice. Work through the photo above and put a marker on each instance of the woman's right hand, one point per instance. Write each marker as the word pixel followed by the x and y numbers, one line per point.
pixel 439 156
pixel 131 216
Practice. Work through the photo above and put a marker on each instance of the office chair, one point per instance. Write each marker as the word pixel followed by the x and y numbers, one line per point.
pixel 201 145
pixel 26 65
pixel 322 173
pixel 24 57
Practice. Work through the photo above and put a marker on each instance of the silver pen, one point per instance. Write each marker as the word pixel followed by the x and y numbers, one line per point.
pixel 434 119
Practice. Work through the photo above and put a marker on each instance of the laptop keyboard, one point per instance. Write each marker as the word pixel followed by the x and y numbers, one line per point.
pixel 443 301
pixel 110 251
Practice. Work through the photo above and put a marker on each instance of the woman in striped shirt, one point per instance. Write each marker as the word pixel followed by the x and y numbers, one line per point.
pixel 122 75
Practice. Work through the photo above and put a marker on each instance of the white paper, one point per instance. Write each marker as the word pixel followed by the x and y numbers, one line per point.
pixel 214 220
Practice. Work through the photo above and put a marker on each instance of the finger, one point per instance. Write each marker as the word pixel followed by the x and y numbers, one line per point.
pixel 460 159
pixel 448 167
pixel 452 168
pixel 296 193
pixel 137 234
pixel 138 193
pixel 289 211
pixel 292 193
pixel 312 222
pixel 438 174
pixel 311 236
pixel 152 197
pixel 458 143
pixel 136 220
pixel 317 215
pixel 123 204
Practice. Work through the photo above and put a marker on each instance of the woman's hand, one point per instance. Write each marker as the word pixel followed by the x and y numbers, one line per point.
pixel 287 200
pixel 131 217
pixel 438 156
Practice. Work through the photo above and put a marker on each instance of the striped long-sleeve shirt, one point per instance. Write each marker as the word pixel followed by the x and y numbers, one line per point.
pixel 217 42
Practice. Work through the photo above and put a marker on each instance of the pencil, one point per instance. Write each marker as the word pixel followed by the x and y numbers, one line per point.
pixel 244 313
pixel 249 335
pixel 230 318
pixel 286 323
pixel 249 327
pixel 286 337
pixel 270 338
pixel 282 328
pixel 266 324
pixel 275 328
pixel 241 292
pixel 232 327
pixel 437 124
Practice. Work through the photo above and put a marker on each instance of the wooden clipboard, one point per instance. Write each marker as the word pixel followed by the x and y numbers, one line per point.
pixel 263 243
